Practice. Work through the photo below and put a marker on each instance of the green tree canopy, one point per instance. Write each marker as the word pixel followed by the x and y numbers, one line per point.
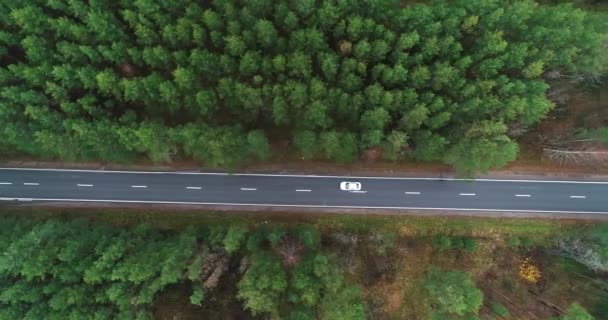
pixel 576 312
pixel 212 78
pixel 453 292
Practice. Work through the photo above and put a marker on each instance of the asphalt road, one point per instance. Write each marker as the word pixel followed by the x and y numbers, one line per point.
pixel 301 191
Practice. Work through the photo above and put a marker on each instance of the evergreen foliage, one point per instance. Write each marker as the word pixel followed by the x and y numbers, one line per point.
pixel 309 282
pixel 442 242
pixel 217 81
pixel 58 270
pixel 453 293
pixel 576 312
pixel 80 270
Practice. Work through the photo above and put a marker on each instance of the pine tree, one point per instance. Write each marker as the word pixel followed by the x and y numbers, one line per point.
pixel 363 70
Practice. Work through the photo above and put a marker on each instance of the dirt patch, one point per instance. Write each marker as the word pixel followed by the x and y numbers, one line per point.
pixel 520 169
pixel 585 109
pixel 412 273
pixel 174 304
pixel 308 213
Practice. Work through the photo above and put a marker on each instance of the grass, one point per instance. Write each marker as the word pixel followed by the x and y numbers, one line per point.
pixel 536 229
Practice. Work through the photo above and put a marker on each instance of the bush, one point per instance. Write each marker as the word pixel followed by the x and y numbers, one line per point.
pixel 576 312
pixel 442 242
pixel 527 242
pixel 499 309
pixel 453 292
pixel 513 242
pixel 469 244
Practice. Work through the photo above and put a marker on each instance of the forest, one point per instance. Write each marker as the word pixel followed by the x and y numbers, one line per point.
pixel 229 82
pixel 77 268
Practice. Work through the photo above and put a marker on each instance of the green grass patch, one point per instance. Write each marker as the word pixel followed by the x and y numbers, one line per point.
pixel 499 309
pixel 535 230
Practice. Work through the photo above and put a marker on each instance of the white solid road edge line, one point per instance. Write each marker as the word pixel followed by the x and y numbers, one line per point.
pixel 302 190
pixel 31 184
pixel 139 186
pixel 299 205
pixel 467 194
pixel 84 185
pixel 523 195
pixel 412 192
pixel 309 176
pixel 194 188
pixel 249 189
pixel 578 197
pixel 15 199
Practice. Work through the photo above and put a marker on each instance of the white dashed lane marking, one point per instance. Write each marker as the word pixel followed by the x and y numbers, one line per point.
pixel 255 189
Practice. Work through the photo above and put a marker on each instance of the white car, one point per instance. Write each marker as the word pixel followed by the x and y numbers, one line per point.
pixel 350 186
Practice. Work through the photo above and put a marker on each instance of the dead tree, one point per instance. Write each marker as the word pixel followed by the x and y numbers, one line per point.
pixel 221 266
pixel 290 250
pixel 514 305
pixel 244 264
pixel 547 303
pixel 580 158
pixel 214 266
pixel 350 239
pixel 349 261
pixel 375 308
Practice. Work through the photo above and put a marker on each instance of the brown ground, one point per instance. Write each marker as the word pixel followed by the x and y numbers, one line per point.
pixel 521 168
pixel 402 295
pixel 494 267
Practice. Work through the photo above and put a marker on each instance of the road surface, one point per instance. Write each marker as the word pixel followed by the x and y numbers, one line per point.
pixel 17 184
